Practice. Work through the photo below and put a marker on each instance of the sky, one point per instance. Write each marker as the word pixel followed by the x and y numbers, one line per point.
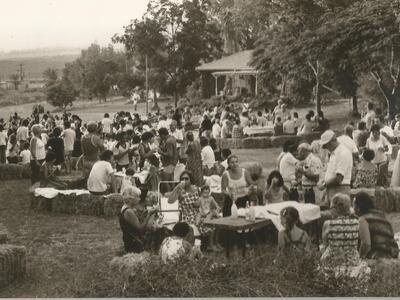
pixel 31 24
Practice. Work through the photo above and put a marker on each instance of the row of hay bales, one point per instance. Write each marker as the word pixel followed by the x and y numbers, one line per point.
pixel 14 171
pixel 386 199
pixel 12 260
pixel 265 141
pixel 85 204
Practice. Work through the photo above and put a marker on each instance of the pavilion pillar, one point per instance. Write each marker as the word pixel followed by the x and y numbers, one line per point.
pixel 256 89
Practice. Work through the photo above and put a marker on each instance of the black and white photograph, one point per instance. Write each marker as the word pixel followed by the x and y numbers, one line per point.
pixel 199 148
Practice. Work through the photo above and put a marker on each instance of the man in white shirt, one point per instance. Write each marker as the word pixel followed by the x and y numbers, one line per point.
pixel 106 123
pixel 163 123
pixel 25 155
pixel 261 120
pixel 3 144
pixel 178 135
pixel 370 115
pixel 340 165
pixel 216 129
pixel 23 133
pixel 207 153
pixel 347 141
pixel 287 166
pixel 101 175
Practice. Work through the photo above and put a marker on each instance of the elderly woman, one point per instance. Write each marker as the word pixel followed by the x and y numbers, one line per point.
pixel 134 221
pixel 188 195
pixel 38 153
pixel 376 233
pixel 236 183
pixel 340 235
pixel 91 145
pixel 382 149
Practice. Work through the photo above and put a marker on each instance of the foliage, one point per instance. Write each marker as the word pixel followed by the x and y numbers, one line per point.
pixel 174 37
pixel 61 93
pixel 51 76
pixel 16 80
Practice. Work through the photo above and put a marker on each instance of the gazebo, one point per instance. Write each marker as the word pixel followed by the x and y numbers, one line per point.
pixel 231 74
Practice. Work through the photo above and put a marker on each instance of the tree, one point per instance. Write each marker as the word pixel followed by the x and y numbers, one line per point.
pixel 61 93
pixel 175 37
pixel 51 76
pixel 16 80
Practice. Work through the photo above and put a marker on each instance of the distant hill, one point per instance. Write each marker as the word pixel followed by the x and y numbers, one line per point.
pixel 33 66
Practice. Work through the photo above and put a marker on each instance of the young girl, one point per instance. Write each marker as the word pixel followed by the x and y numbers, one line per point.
pixel 209 210
pixel 292 237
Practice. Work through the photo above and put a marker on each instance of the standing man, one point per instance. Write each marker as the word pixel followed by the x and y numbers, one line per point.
pixel 178 135
pixel 169 154
pixel 135 97
pixel 338 173
pixel 106 124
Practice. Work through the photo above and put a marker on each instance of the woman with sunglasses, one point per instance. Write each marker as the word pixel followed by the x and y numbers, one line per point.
pixel 188 195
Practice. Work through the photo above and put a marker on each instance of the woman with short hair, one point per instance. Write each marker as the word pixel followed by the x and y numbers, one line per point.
pixel 366 172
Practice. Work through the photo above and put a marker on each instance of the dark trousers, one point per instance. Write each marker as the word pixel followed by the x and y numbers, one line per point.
pixel 12 159
pixel 35 169
pixel 3 154
pixel 309 195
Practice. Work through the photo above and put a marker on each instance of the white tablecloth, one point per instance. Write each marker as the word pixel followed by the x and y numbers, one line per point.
pixel 214 182
pixel 307 212
pixel 258 130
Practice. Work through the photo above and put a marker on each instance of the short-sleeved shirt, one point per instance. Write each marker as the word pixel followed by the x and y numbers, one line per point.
pixel 124 160
pixel 289 127
pixel 22 133
pixel 3 138
pixel 207 156
pixel 216 131
pixel 340 162
pixel 25 157
pixel 380 156
pixel 348 142
pixel 287 167
pixel 69 139
pixel 106 122
pixel 99 176
pixel 314 164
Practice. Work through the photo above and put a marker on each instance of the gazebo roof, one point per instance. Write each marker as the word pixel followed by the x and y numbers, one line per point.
pixel 239 61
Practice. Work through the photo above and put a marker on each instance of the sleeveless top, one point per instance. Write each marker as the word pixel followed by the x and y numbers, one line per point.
pixel 239 186
pixel 40 152
pixel 90 150
pixel 295 244
pixel 383 244
pixel 130 235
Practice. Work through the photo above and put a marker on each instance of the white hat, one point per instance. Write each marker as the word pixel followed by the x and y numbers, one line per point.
pixel 326 137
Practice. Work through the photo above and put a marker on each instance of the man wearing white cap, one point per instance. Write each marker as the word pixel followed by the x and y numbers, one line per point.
pixel 311 169
pixel 338 173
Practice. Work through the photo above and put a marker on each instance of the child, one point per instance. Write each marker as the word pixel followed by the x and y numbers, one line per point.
pixel 291 237
pixel 209 210
pixel 25 155
pixel 178 245
pixel 278 127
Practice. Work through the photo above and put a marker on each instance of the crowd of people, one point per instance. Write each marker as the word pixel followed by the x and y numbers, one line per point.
pixel 322 172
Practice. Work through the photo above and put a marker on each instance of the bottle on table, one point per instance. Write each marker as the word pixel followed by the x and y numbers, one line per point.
pixel 252 212
pixel 234 210
pixel 247 210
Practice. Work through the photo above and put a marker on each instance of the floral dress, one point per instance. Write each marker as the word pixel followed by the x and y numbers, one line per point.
pixel 188 204
pixel 366 178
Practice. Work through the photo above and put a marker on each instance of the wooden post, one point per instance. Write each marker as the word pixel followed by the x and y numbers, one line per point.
pixel 216 85
pixel 147 85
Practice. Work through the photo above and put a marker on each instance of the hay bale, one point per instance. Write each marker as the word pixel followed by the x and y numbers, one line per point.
pixel 231 143
pixel 3 234
pixel 113 204
pixel 12 171
pixel 12 264
pixel 278 141
pixel 90 205
pixel 129 263
pixel 309 138
pixel 41 203
pixel 257 143
pixel 64 204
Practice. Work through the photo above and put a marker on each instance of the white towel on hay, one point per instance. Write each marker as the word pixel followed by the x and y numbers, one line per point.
pixel 51 193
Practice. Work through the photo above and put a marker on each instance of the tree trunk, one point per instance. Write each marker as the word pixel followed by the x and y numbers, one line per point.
pixel 176 99
pixel 392 98
pixel 283 86
pixel 355 104
pixel 317 95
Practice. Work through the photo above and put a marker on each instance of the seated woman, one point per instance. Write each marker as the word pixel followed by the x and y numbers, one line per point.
pixel 366 172
pixel 101 175
pixel 47 173
pixel 236 183
pixel 340 235
pixel 178 245
pixel 276 191
pixel 376 233
pixel 292 237
pixel 188 196
pixel 134 221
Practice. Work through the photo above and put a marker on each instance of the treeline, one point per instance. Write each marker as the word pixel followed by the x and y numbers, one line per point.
pixel 303 48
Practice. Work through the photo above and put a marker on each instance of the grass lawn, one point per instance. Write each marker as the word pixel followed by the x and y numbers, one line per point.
pixel 67 255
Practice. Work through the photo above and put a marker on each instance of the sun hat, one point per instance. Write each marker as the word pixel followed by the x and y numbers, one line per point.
pixel 326 137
